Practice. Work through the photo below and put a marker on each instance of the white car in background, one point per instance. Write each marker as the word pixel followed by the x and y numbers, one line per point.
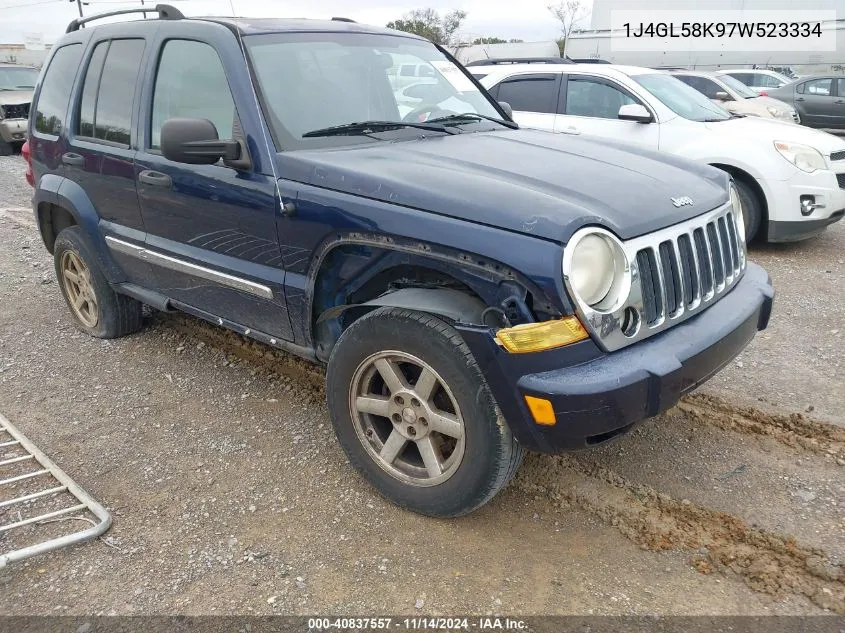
pixel 758 80
pixel 791 179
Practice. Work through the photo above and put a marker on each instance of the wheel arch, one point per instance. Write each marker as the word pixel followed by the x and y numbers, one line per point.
pixel 352 278
pixel 737 173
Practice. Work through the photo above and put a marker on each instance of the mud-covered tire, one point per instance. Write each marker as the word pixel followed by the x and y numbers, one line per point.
pixel 752 209
pixel 490 454
pixel 111 315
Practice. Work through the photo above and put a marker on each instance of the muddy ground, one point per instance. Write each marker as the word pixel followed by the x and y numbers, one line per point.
pixel 230 494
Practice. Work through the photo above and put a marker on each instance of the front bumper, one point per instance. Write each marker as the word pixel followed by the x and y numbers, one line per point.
pixel 786 222
pixel 13 130
pixel 596 395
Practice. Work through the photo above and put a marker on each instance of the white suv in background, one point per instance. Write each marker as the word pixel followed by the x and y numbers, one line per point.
pixel 791 179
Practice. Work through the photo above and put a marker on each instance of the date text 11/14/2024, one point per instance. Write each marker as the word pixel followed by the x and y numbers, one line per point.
pixel 418 624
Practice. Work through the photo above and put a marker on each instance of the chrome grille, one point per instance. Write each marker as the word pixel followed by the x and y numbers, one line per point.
pixel 837 156
pixel 16 110
pixel 675 277
pixel 675 273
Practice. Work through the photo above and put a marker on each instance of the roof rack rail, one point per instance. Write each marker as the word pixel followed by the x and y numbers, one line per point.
pixel 517 60
pixel 165 12
pixel 350 20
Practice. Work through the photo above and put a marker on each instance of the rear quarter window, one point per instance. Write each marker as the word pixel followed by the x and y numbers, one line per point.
pixel 56 88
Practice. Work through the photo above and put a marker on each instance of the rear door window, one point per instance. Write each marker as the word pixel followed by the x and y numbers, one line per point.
pixel 746 78
pixel 531 93
pixel 108 93
pixel 56 88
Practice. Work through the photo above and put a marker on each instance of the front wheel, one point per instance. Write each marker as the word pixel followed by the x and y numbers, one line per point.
pixel 414 415
pixel 752 213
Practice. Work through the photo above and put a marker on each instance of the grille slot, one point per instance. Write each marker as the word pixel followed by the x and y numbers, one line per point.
pixel 671 277
pixel 704 265
pixel 840 179
pixel 837 156
pixel 689 274
pixel 16 111
pixel 652 296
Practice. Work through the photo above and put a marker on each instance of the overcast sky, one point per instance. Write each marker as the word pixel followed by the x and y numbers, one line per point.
pixel 525 19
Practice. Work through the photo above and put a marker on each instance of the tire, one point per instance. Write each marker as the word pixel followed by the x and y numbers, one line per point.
pixel 752 209
pixel 474 467
pixel 103 313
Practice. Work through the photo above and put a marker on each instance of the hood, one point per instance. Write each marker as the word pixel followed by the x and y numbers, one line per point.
pixel 527 181
pixel 15 96
pixel 751 107
pixel 770 130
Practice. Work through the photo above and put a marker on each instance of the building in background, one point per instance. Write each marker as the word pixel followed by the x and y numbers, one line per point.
pixel 23 55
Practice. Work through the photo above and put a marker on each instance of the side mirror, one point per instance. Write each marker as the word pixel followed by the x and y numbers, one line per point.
pixel 723 96
pixel 195 142
pixel 635 112
pixel 507 108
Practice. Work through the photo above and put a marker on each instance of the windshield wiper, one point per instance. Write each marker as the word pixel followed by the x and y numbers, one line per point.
pixel 368 127
pixel 472 117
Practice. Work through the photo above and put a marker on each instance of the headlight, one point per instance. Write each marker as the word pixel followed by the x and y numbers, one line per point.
pixel 2 113
pixel 803 157
pixel 776 112
pixel 597 270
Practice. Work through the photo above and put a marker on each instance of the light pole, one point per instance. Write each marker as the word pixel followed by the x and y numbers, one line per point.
pixel 79 6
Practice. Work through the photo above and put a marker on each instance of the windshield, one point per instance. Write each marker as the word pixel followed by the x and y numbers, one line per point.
pixel 738 87
pixel 314 81
pixel 681 98
pixel 18 78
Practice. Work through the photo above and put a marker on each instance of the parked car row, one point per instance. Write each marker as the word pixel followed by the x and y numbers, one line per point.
pixel 791 179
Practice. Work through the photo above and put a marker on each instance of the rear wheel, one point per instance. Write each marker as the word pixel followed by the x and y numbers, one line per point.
pixel 96 308
pixel 412 412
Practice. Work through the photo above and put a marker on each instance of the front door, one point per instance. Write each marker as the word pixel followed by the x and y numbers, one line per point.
pixel 816 100
pixel 211 232
pixel 590 105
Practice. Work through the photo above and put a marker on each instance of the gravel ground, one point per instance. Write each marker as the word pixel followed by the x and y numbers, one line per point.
pixel 230 494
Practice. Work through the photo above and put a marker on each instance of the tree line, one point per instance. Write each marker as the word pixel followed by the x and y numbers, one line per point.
pixel 443 29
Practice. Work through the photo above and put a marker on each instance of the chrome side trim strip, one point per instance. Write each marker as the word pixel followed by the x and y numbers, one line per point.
pixel 179 265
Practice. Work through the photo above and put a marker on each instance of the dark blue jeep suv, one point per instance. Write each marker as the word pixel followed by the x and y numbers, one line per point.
pixel 475 289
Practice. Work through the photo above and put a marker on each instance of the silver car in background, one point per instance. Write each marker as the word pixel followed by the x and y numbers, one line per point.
pixel 736 97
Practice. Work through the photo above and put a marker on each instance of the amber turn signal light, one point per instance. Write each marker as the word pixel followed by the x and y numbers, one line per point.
pixel 542 411
pixel 536 337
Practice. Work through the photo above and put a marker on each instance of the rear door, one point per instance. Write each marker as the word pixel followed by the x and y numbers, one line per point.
pixel 590 105
pixel 211 229
pixel 816 102
pixel 100 155
pixel 533 97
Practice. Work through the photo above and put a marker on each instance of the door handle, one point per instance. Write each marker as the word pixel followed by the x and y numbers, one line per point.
pixel 155 179
pixel 839 101
pixel 73 160
pixel 799 98
pixel 571 130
